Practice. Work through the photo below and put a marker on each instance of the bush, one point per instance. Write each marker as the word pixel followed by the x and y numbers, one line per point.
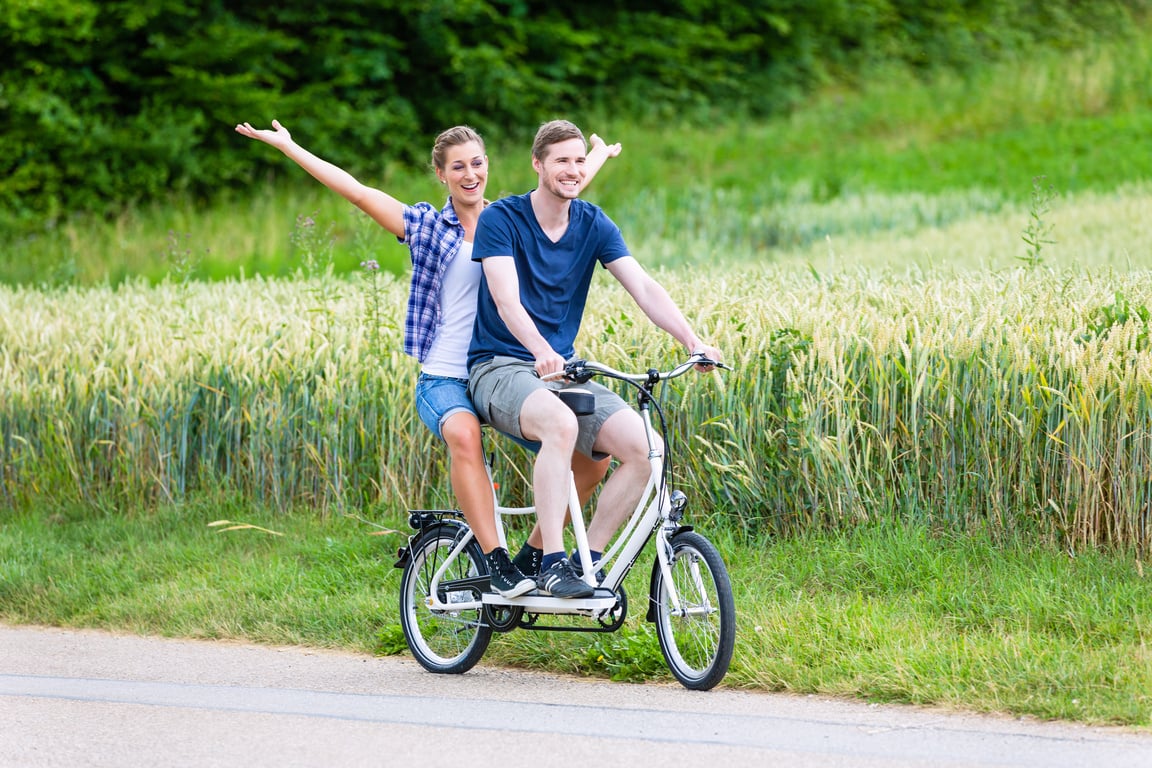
pixel 108 103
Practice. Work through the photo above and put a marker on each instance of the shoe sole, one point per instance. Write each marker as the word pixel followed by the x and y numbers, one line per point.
pixel 573 596
pixel 589 592
pixel 523 588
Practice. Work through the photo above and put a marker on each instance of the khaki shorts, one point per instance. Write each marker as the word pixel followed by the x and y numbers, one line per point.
pixel 499 386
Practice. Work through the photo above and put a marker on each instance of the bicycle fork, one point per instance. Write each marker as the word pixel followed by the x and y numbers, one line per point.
pixel 669 529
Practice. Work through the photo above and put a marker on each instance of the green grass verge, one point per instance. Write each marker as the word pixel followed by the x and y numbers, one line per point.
pixel 884 613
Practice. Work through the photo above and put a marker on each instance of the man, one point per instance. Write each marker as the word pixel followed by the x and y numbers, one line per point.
pixel 539 251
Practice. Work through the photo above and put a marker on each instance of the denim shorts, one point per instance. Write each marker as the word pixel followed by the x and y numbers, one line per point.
pixel 438 397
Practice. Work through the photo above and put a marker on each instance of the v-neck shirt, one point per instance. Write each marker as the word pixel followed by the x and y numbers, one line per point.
pixel 554 277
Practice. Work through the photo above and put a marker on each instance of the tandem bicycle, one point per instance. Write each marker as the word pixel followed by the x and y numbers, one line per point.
pixel 448 611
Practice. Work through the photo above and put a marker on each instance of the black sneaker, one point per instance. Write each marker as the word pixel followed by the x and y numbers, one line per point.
pixel 506 578
pixel 561 581
pixel 528 560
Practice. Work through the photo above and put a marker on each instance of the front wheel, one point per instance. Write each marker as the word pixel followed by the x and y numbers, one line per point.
pixel 445 641
pixel 696 639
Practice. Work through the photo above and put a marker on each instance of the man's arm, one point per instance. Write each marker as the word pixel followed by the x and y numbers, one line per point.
pixel 651 297
pixel 386 210
pixel 504 285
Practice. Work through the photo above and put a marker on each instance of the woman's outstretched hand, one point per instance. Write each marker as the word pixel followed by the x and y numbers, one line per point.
pixel 277 137
pixel 613 149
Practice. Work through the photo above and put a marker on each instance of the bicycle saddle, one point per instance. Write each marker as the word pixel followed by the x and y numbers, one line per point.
pixel 581 401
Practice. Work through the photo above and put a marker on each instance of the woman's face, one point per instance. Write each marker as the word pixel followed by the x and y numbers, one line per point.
pixel 466 173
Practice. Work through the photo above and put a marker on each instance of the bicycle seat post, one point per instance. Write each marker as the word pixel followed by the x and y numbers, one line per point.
pixel 582 403
pixel 580 532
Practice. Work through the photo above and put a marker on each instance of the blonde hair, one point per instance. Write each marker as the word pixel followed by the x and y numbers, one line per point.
pixel 453 137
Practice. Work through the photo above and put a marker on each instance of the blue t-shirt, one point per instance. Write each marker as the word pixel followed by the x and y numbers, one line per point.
pixel 554 277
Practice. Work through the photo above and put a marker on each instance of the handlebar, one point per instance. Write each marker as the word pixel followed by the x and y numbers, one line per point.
pixel 580 371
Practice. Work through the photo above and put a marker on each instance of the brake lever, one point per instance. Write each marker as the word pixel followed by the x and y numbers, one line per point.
pixel 576 371
pixel 707 361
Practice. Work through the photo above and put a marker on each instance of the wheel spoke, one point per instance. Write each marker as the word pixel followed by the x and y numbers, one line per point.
pixel 697 639
pixel 443 640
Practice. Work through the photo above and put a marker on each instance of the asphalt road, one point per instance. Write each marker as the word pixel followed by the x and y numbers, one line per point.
pixel 88 698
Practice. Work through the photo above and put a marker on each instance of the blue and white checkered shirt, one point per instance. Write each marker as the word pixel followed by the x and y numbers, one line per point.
pixel 433 238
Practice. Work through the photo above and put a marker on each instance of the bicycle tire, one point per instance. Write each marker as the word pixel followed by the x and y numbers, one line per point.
pixel 698 643
pixel 445 642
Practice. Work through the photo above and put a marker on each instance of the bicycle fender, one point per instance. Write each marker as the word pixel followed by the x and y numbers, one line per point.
pixel 424 521
pixel 650 617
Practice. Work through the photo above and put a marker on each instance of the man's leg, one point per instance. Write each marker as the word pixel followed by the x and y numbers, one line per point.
pixel 588 474
pixel 621 435
pixel 513 400
pixel 544 418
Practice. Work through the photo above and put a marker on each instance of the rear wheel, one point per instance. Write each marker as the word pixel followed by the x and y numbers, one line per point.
pixel 445 641
pixel 697 638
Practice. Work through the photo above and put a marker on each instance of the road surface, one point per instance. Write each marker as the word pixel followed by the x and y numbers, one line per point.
pixel 89 698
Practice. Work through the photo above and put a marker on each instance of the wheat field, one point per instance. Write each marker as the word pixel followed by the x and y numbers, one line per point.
pixel 926 373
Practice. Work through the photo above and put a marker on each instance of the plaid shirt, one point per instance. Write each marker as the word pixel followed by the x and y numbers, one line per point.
pixel 434 239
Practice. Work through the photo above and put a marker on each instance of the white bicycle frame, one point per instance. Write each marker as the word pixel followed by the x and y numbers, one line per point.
pixel 654 508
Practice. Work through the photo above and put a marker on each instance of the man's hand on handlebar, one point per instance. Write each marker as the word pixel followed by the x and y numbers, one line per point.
pixel 576 371
pixel 549 366
pixel 712 357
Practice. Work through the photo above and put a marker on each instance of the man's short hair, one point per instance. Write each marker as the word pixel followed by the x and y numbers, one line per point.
pixel 554 132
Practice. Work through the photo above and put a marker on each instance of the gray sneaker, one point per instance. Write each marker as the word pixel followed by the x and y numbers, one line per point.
pixel 506 578
pixel 561 581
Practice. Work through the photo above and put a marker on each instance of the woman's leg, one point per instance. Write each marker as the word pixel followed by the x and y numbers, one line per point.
pixel 443 405
pixel 470 484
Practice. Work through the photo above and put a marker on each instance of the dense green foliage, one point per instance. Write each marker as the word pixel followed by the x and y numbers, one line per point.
pixel 971 142
pixel 104 103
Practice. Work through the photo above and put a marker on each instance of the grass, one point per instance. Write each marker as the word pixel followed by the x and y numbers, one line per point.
pixel 882 612
pixel 898 614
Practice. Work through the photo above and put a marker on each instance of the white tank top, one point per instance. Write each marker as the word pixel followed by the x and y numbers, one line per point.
pixel 449 353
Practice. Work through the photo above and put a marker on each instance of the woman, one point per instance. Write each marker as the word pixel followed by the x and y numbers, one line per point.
pixel 441 309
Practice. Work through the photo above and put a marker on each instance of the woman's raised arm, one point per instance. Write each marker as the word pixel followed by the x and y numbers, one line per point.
pixel 386 210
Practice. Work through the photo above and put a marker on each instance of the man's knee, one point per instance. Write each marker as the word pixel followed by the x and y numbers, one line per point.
pixel 622 435
pixel 545 418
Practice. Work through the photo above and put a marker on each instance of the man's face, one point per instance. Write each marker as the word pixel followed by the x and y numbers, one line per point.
pixel 561 171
